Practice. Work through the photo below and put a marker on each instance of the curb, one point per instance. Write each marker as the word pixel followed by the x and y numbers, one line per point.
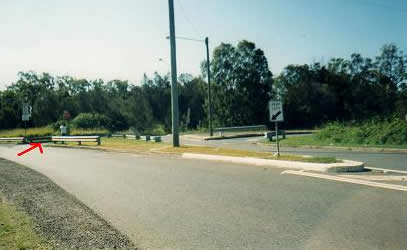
pixel 345 166
pixel 343 148
pixel 232 136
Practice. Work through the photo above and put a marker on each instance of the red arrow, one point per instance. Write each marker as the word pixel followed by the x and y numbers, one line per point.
pixel 34 145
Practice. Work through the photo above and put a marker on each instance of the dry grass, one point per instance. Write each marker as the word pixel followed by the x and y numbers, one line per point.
pixel 139 146
pixel 44 131
pixel 16 230
pixel 243 153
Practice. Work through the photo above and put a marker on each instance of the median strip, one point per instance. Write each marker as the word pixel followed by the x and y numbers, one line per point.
pixel 344 166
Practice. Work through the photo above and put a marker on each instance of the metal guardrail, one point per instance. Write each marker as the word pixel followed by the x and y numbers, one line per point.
pixel 12 139
pixel 78 139
pixel 137 137
pixel 241 128
pixel 38 139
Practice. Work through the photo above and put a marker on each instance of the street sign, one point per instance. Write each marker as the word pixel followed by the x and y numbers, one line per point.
pixel 27 110
pixel 276 111
pixel 25 117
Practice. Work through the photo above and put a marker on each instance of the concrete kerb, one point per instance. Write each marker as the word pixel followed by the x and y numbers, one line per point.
pixel 345 166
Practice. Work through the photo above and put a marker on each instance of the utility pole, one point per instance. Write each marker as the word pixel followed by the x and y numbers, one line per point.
pixel 209 87
pixel 209 77
pixel 174 92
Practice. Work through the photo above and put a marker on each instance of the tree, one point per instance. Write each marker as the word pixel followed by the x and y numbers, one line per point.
pixel 242 84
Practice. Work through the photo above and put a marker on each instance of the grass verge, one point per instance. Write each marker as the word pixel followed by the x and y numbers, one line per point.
pixel 16 229
pixel 146 147
pixel 312 140
pixel 45 131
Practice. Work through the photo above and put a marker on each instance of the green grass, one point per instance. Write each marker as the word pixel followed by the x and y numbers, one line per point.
pixel 389 131
pixel 312 140
pixel 45 131
pixel 139 146
pixel 16 230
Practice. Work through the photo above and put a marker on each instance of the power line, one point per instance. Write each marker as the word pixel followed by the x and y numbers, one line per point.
pixel 184 14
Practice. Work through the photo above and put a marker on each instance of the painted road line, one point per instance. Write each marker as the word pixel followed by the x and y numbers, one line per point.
pixel 376 177
pixel 387 170
pixel 252 140
pixel 348 180
pixel 193 140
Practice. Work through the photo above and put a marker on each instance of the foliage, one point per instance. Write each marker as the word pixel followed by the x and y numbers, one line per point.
pixel 157 130
pixel 391 131
pixel 117 104
pixel 242 85
pixel 343 90
pixel 48 130
pixel 88 120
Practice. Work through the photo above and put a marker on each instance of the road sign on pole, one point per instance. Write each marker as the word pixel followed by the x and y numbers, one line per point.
pixel 27 109
pixel 276 116
pixel 276 111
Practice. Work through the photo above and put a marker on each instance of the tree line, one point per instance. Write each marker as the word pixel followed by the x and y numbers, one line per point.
pixel 242 84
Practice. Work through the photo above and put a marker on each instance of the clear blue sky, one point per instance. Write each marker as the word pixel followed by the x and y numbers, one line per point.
pixel 123 39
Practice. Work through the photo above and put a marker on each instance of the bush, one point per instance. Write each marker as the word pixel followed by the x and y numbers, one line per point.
pixel 88 120
pixel 55 126
pixel 392 131
pixel 157 130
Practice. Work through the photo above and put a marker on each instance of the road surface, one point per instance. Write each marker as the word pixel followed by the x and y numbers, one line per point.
pixel 167 202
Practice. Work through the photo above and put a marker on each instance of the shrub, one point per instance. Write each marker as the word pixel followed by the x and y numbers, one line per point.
pixel 55 126
pixel 89 120
pixel 374 131
pixel 158 130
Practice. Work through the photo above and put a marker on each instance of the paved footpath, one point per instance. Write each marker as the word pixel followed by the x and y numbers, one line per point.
pixel 167 202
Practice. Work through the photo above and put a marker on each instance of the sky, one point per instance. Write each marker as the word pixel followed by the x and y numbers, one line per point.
pixel 124 39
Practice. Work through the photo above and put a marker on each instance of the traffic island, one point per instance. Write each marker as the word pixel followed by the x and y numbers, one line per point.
pixel 342 166
pixel 315 163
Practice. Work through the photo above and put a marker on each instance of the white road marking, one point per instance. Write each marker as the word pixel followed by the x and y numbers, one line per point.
pixel 348 180
pixel 387 170
pixel 250 140
pixel 376 177
pixel 194 140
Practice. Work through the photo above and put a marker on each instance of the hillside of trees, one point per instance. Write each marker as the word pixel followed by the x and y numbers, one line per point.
pixel 342 90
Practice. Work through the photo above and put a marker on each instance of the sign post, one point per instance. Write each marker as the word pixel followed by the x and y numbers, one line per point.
pixel 67 118
pixel 27 110
pixel 276 116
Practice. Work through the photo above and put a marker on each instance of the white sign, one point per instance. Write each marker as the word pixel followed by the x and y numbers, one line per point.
pixel 25 118
pixel 276 111
pixel 27 110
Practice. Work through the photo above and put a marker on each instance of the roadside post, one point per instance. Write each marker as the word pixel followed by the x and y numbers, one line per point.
pixel 276 116
pixel 27 111
pixel 67 118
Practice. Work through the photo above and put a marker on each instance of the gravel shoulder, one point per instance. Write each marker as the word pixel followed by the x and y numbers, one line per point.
pixel 57 215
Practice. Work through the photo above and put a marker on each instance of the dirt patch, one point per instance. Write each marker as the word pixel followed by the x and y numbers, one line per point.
pixel 57 215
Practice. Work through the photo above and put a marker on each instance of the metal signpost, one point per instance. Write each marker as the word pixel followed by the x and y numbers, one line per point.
pixel 27 111
pixel 276 116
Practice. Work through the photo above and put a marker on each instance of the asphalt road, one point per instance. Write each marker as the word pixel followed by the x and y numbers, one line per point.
pixel 396 161
pixel 166 202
